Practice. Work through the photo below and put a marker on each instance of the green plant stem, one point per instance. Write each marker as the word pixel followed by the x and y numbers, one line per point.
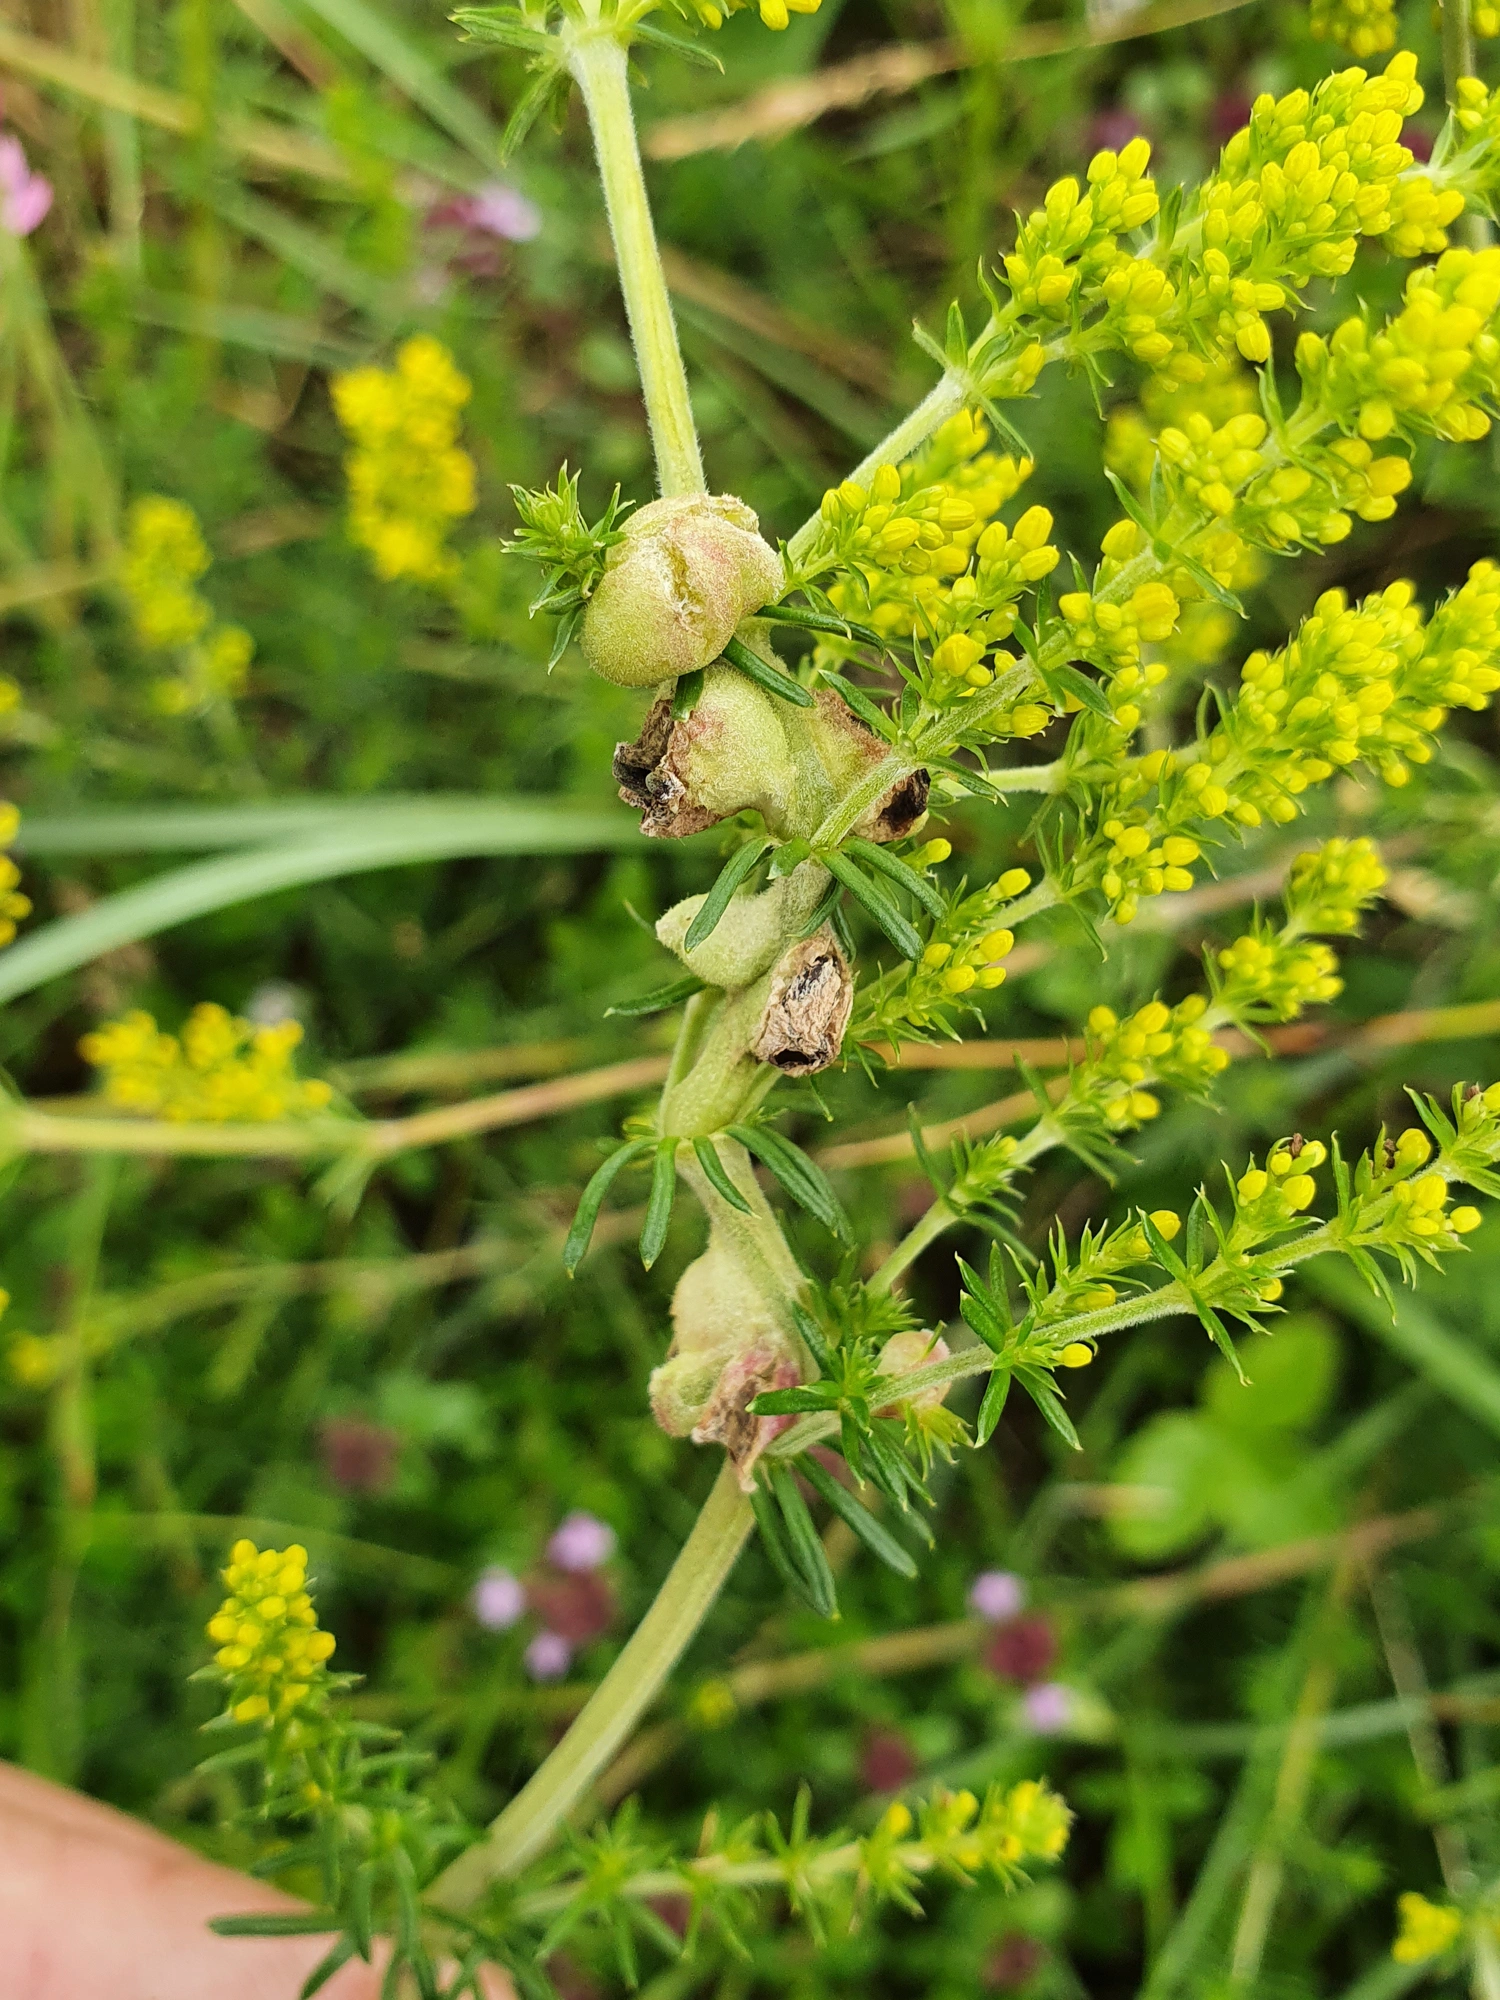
pixel 534 1815
pixel 598 66
pixel 924 1233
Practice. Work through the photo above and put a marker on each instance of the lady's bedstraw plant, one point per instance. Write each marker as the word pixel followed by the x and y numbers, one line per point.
pixel 943 637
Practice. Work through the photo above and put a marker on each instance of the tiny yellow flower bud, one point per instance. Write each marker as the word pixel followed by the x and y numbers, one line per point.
pixel 1464 1220
pixel 896 1821
pixel 1077 1354
pixel 1299 1190
pixel 959 978
pixel 937 953
pixel 1015 880
pixel 1252 1185
pixel 885 487
pixel 1166 1222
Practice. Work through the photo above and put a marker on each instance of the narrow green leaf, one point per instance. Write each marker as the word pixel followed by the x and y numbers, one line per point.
pixel 900 872
pixel 659 1203
pixel 658 999
pixel 773 1538
pixel 686 695
pixel 400 59
pixel 860 703
pixel 821 621
pixel 802 1540
pixel 1068 678
pixel 877 1538
pixel 715 1174
pixel 332 1962
pixel 997 1391
pixel 735 870
pixel 795 1402
pixel 772 679
pixel 290 1923
pixel 692 52
pixel 592 1200
pixel 812 1337
pixel 875 903
pixel 1039 1387
pixel 807 1184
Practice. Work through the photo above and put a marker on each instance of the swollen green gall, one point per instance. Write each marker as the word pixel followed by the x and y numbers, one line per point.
pixel 729 756
pixel 678 582
pixel 726 1350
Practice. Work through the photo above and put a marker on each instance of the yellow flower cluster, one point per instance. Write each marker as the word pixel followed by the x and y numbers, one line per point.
pixel 13 905
pixel 953 1832
pixel 165 554
pixel 1112 634
pixel 1329 887
pixel 1155 1044
pixel 1226 390
pixel 221 1071
pixel 964 956
pixel 409 479
pixel 1366 682
pixel 774 13
pixel 1266 979
pixel 1426 1930
pixel 1071 239
pixel 1428 369
pixel 1267 1198
pixel 1363 27
pixel 270 1650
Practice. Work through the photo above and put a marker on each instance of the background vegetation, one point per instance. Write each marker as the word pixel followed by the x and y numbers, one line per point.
pixel 251 196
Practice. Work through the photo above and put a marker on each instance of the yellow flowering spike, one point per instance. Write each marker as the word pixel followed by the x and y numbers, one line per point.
pixel 165 554
pixel 1427 1930
pixel 409 479
pixel 13 905
pixel 221 1070
pixel 268 1647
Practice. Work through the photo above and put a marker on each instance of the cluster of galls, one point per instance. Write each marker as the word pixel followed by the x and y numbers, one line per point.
pixel 270 1651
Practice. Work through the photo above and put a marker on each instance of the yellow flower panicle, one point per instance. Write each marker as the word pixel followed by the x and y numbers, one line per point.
pixel 775 14
pixel 269 1649
pixel 165 554
pixel 1426 1930
pixel 964 957
pixel 955 1833
pixel 409 479
pixel 1358 683
pixel 13 905
pixel 1363 27
pixel 1155 1044
pixel 221 1070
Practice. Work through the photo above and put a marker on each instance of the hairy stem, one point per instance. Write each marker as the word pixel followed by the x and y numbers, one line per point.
pixel 534 1815
pixel 598 66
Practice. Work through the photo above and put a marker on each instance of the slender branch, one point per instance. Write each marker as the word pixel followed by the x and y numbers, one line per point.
pixel 598 65
pixel 533 1816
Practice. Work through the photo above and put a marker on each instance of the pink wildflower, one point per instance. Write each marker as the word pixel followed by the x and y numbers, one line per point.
pixel 25 197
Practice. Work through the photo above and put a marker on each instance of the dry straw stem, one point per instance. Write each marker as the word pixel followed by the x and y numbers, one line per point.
pixel 1154 1597
pixel 278 147
pixel 786 106
pixel 70 1125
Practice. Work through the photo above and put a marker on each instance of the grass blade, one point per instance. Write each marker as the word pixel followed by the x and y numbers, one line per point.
pixel 362 843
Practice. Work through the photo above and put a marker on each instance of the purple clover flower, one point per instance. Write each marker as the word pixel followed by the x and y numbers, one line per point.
pixel 581 1543
pixel 501 210
pixel 497 1600
pixel 996 1594
pixel 548 1657
pixel 1047 1708
pixel 25 197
